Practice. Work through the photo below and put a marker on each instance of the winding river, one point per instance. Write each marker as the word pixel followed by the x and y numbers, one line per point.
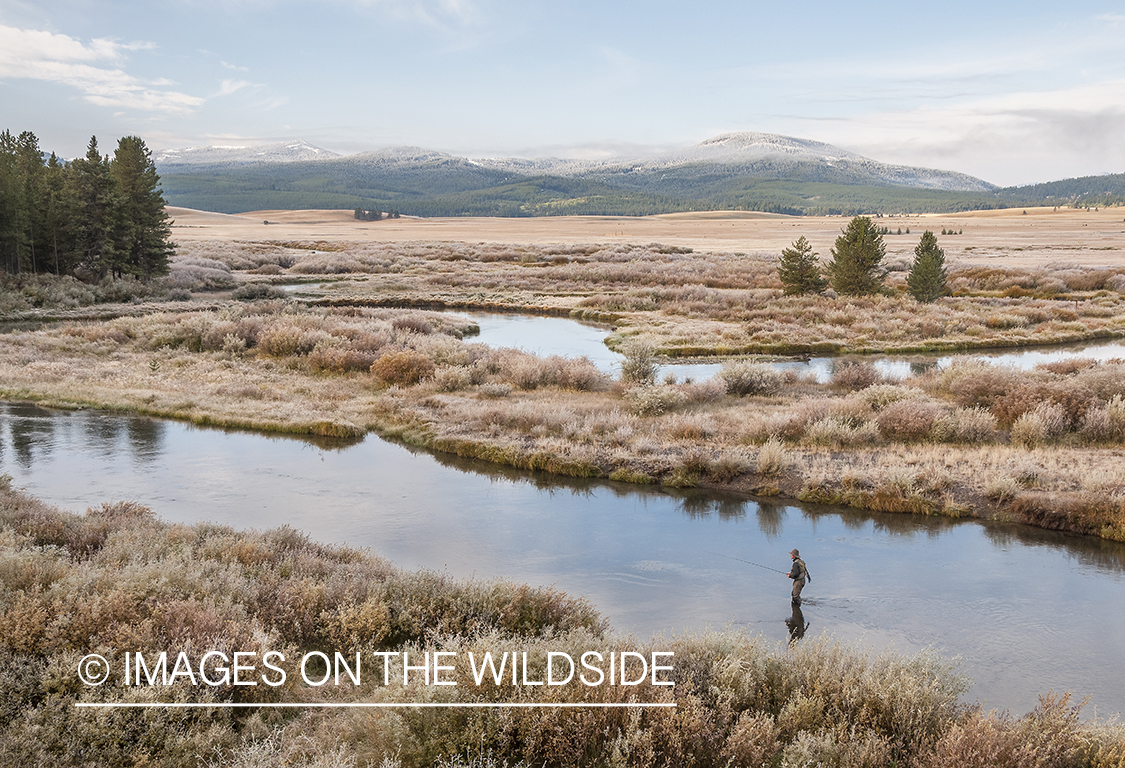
pixel 1025 610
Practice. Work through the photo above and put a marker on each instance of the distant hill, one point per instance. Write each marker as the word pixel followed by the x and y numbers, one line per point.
pixel 1086 190
pixel 735 171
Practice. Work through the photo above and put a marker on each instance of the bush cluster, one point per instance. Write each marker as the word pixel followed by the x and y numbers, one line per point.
pixel 1078 400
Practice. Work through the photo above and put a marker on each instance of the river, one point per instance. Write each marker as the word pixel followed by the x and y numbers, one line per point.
pixel 562 336
pixel 1025 610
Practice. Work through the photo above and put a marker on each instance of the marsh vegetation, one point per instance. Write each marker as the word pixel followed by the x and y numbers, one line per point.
pixel 350 356
pixel 363 350
pixel 973 439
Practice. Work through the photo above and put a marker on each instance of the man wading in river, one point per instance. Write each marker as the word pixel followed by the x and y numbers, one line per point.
pixel 799 574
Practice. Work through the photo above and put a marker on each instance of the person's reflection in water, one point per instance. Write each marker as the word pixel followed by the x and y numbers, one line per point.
pixel 796 624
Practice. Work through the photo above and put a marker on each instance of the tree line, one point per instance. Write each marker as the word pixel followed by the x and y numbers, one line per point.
pixel 854 267
pixel 90 217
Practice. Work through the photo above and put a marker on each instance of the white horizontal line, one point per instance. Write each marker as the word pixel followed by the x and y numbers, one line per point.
pixel 378 705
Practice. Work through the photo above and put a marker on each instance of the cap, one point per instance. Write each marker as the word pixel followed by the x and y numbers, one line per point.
pixel 795 553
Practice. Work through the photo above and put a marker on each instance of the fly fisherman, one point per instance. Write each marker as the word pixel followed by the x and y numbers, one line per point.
pixel 800 574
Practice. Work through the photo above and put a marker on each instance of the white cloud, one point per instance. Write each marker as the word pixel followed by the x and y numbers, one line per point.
pixel 89 67
pixel 227 87
pixel 1016 138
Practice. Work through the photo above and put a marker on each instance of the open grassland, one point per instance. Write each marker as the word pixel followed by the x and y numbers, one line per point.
pixel 117 578
pixel 1007 238
pixel 1043 446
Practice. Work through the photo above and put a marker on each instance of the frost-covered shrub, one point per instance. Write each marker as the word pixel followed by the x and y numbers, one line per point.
pixel 908 420
pixel 964 425
pixel 654 400
pixel 403 368
pixel 748 378
pixel 855 376
pixel 1045 424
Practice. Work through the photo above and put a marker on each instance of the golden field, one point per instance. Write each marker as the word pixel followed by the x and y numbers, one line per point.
pixel 1004 237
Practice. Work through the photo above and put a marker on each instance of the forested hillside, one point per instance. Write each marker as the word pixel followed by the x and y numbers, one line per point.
pixel 740 171
pixel 1083 191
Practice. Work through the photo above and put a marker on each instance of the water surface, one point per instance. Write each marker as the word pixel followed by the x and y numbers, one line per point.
pixel 1026 610
pixel 562 336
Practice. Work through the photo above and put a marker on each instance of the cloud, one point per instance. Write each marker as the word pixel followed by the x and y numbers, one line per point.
pixel 1016 138
pixel 88 67
pixel 434 13
pixel 227 87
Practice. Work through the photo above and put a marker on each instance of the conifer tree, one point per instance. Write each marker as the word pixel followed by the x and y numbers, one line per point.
pixel 89 217
pixel 9 204
pixel 93 212
pixel 143 226
pixel 856 256
pixel 22 193
pixel 927 278
pixel 799 269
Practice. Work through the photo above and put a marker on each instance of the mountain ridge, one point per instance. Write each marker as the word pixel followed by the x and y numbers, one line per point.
pixel 732 171
pixel 742 153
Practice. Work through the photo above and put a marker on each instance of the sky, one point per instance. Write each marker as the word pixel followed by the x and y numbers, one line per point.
pixel 1011 92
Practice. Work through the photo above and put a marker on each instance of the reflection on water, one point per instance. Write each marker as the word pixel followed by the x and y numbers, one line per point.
pixel 796 624
pixel 1026 610
pixel 570 338
pixel 547 336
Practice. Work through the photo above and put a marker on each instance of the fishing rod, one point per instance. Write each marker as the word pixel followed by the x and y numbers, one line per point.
pixel 739 559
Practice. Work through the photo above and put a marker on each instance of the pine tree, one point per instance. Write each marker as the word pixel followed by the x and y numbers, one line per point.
pixel 854 269
pixel 92 215
pixel 143 226
pixel 54 216
pixel 799 269
pixel 927 278
pixel 9 204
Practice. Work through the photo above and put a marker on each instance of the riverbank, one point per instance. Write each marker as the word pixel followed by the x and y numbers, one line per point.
pixel 1042 447
pixel 118 578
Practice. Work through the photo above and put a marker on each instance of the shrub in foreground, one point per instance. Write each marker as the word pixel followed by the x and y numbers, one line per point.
pixel 748 378
pixel 403 368
pixel 855 376
pixel 639 363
